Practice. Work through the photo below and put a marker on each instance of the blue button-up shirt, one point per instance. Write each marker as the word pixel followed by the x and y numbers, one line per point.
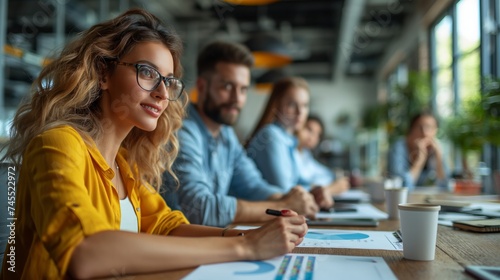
pixel 274 151
pixel 312 172
pixel 213 173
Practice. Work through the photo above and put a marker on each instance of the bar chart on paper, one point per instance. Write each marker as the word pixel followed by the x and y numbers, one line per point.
pixel 348 239
pixel 298 267
pixel 375 240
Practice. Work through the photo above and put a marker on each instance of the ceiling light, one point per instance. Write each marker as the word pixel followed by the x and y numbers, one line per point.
pixel 193 95
pixel 265 82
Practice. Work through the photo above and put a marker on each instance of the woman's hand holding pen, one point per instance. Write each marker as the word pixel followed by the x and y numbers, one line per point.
pixel 278 236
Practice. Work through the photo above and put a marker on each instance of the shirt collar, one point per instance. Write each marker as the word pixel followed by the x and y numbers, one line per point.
pixel 193 114
pixel 100 162
pixel 97 157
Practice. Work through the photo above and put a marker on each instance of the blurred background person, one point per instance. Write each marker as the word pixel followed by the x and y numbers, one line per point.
pixel 312 172
pixel 219 184
pixel 417 158
pixel 273 144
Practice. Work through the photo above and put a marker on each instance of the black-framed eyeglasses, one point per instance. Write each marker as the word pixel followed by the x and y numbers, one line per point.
pixel 148 78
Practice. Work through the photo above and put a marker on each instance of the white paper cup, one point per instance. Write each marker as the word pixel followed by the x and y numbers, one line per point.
pixel 394 197
pixel 419 230
pixel 376 191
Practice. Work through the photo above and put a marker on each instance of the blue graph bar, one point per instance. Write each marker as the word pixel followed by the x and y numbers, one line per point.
pixel 310 268
pixel 297 265
pixel 283 267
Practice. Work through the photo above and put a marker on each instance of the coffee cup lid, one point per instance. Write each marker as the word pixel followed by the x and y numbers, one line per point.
pixel 397 189
pixel 419 207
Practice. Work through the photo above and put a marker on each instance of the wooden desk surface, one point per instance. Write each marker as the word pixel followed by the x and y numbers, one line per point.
pixel 454 250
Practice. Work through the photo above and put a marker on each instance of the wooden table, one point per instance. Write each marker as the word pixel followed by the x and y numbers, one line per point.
pixel 454 250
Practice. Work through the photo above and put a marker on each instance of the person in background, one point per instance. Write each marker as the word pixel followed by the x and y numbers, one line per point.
pixel 312 172
pixel 92 144
pixel 219 184
pixel 418 158
pixel 273 144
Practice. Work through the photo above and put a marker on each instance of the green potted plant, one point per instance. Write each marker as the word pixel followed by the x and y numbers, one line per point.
pixel 407 100
pixel 477 123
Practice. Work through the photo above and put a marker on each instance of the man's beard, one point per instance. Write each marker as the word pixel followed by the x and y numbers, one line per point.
pixel 214 112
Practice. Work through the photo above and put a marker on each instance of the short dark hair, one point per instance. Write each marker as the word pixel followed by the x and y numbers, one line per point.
pixel 220 51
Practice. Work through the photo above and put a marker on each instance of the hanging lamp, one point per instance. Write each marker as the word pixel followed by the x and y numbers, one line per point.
pixel 268 51
pixel 264 83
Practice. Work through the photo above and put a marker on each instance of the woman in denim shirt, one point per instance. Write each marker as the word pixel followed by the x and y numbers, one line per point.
pixel 273 145
pixel 418 157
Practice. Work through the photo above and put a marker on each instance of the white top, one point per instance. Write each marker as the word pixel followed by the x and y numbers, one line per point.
pixel 129 218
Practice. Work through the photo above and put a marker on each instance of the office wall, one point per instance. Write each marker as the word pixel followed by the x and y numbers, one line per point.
pixel 328 100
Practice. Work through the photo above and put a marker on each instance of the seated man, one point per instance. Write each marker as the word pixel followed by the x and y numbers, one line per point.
pixel 218 183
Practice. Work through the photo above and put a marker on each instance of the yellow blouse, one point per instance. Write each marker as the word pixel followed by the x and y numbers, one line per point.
pixel 64 194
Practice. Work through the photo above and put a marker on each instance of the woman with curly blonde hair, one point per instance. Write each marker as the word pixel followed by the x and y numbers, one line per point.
pixel 91 146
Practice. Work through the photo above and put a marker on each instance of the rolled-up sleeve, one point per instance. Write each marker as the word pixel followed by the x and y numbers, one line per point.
pixel 156 216
pixel 61 208
pixel 197 197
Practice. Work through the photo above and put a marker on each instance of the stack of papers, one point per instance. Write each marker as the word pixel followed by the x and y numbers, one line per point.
pixel 473 211
pixel 352 196
pixel 447 218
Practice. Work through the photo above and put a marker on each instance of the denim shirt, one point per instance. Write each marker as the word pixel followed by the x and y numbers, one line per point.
pixel 212 173
pixel 274 151
pixel 312 172
pixel 399 165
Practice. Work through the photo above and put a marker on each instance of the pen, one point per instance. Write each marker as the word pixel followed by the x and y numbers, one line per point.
pixel 273 212
pixel 398 235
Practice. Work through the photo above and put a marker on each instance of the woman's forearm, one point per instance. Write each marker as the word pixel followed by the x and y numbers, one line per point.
pixel 108 252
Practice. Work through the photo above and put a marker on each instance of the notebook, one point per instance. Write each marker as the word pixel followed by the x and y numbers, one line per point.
pixel 484 272
pixel 484 225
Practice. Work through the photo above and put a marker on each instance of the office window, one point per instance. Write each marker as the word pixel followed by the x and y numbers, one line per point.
pixel 468 42
pixel 455 53
pixel 490 66
pixel 455 62
pixel 442 66
pixel 467 20
pixel 469 31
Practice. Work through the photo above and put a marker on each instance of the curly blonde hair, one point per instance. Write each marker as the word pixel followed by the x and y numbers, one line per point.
pixel 67 92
